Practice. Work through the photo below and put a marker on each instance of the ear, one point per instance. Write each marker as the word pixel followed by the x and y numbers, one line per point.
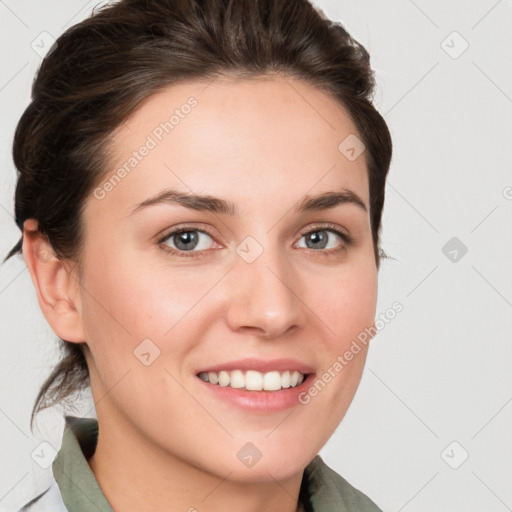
pixel 56 285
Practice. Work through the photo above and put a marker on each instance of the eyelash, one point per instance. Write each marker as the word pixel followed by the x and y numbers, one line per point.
pixel 347 240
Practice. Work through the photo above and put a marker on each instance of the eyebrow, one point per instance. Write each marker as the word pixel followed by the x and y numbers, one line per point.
pixel 209 203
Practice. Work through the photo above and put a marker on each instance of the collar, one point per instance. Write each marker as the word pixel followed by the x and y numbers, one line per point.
pixel 77 483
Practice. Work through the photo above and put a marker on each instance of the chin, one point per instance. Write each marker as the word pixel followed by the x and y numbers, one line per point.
pixel 276 466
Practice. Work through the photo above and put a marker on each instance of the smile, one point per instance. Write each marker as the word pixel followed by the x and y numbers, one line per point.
pixel 252 380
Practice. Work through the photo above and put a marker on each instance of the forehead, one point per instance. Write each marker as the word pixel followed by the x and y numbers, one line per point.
pixel 255 142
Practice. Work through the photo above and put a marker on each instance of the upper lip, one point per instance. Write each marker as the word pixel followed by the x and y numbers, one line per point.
pixel 260 365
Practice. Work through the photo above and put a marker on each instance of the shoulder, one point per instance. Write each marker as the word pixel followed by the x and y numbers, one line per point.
pixel 49 500
pixel 327 489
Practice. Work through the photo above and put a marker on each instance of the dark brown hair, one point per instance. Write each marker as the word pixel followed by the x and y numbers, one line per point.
pixel 101 69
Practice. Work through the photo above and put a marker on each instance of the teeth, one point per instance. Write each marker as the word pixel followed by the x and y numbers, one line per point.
pixel 223 379
pixel 272 381
pixel 237 379
pixel 285 380
pixel 253 380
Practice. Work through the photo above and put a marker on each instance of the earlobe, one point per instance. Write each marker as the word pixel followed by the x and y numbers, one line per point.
pixel 56 287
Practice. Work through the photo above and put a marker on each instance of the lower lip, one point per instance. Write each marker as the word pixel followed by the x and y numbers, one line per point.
pixel 263 401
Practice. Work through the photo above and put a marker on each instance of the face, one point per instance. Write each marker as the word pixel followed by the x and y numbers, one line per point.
pixel 263 278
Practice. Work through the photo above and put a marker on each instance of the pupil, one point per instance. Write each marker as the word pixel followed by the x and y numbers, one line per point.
pixel 185 238
pixel 318 236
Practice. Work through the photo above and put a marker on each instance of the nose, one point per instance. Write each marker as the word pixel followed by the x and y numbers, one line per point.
pixel 264 297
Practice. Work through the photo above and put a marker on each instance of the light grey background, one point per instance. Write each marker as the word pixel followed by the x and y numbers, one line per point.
pixel 440 372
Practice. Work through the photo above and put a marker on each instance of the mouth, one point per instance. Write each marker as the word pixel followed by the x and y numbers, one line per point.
pixel 256 392
pixel 255 384
pixel 252 380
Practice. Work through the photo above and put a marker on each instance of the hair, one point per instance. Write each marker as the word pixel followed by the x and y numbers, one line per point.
pixel 101 69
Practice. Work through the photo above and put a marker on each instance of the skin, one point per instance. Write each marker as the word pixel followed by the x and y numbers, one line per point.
pixel 262 144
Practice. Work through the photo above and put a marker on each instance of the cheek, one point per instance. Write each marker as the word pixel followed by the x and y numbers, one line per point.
pixel 347 303
pixel 346 307
pixel 128 313
pixel 128 300
pixel 126 294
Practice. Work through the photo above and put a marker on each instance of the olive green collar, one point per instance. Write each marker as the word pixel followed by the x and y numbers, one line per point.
pixel 77 483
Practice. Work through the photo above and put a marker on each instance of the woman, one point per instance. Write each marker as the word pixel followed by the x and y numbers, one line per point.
pixel 200 196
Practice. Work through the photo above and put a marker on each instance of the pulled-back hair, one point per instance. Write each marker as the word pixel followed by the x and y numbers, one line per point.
pixel 102 68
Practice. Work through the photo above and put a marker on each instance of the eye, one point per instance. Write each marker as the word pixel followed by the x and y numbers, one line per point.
pixel 186 239
pixel 326 239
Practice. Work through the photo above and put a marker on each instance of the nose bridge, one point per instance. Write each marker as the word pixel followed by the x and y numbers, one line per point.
pixel 261 294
